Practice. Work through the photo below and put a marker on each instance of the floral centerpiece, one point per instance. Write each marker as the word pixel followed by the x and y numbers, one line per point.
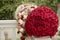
pixel 38 23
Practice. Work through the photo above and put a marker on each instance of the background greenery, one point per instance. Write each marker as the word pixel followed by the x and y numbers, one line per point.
pixel 8 7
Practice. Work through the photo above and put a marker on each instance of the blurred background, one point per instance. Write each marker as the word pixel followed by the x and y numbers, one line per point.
pixel 8 7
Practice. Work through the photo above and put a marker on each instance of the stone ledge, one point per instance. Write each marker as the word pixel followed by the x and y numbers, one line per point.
pixel 8 23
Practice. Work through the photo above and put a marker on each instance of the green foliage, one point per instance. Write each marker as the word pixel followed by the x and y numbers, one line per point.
pixel 59 32
pixel 8 7
pixel 50 3
pixel 58 1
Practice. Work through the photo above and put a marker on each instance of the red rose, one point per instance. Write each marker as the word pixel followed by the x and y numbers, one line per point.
pixel 42 21
pixel 22 38
pixel 18 31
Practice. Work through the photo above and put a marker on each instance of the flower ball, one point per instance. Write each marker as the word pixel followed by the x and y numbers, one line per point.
pixel 41 22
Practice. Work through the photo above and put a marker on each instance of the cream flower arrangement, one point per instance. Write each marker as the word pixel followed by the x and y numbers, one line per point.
pixel 21 14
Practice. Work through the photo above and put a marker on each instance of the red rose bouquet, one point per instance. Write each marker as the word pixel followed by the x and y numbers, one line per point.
pixel 41 22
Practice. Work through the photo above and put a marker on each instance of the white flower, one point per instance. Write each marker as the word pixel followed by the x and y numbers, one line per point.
pixel 21 30
pixel 19 14
pixel 20 21
pixel 19 35
pixel 25 16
